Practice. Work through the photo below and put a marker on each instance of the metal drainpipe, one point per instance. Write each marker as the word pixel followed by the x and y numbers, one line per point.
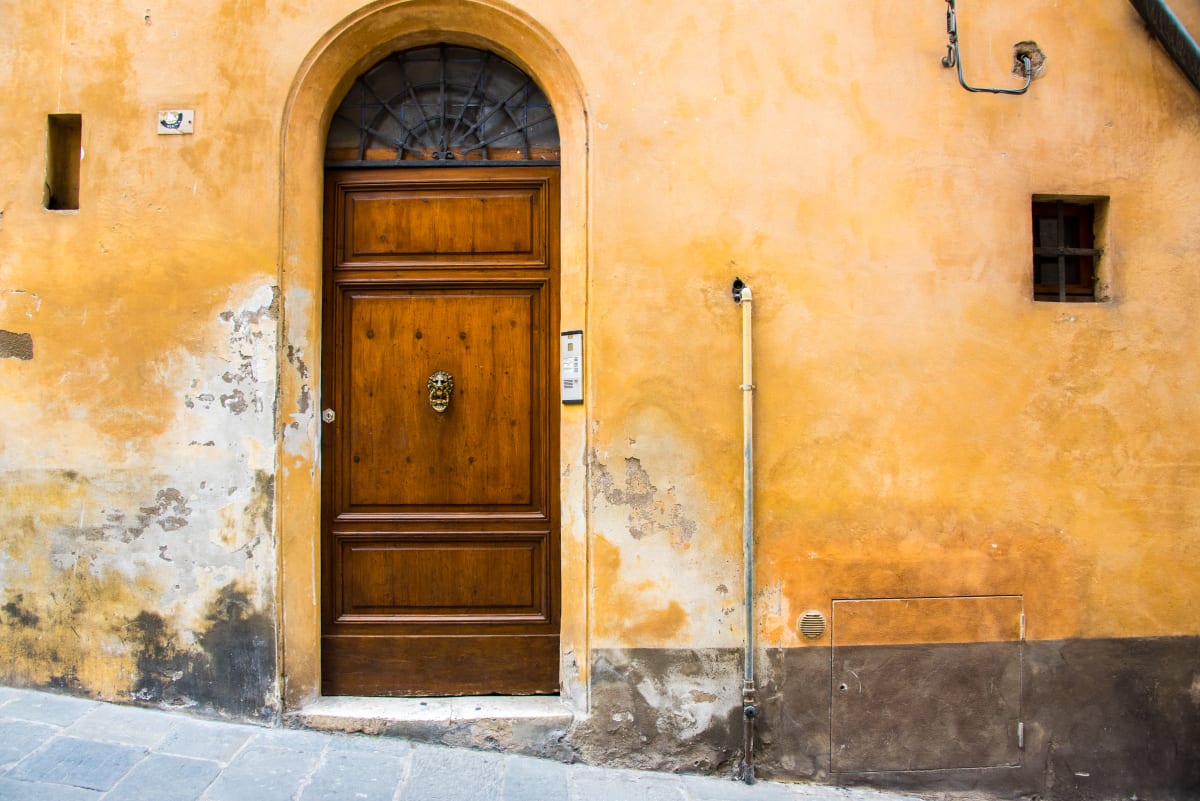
pixel 742 295
pixel 1175 38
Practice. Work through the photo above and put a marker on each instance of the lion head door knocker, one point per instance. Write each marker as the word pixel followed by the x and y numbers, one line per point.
pixel 440 385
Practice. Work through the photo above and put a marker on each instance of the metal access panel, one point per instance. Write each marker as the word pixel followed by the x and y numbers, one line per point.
pixel 926 683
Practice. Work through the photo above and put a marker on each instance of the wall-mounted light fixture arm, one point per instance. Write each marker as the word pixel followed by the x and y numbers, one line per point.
pixel 953 58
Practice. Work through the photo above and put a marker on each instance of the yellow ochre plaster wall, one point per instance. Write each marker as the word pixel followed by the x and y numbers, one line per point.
pixel 923 427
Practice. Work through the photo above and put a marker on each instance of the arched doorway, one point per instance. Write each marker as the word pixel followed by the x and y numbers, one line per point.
pixel 345 52
pixel 439 545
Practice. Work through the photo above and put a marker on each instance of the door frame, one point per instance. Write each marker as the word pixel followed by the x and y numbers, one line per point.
pixel 349 47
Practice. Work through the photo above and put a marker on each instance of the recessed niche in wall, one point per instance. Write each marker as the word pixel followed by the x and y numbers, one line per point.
pixel 64 151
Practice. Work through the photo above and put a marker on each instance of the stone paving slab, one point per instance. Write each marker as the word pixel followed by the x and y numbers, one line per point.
pixel 704 789
pixel 392 746
pixel 78 763
pixel 159 777
pixel 122 724
pixel 308 742
pixel 57 748
pixel 7 694
pixel 601 784
pixel 28 791
pixel 535 778
pixel 18 738
pixel 452 774
pixel 59 710
pixel 203 739
pixel 362 776
pixel 260 773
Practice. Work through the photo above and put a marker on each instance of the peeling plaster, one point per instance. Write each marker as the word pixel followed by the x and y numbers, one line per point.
pixel 670 709
pixel 873 479
pixel 639 529
pixel 170 537
pixel 650 513
pixel 300 433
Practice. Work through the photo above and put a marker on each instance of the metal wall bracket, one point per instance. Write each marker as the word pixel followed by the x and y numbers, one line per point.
pixel 953 58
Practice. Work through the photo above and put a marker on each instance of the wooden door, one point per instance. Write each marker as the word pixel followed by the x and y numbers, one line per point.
pixel 440 555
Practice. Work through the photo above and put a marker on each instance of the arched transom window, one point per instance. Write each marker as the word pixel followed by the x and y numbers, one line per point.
pixel 442 103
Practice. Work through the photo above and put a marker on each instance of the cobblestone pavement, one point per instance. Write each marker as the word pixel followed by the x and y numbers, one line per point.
pixel 60 748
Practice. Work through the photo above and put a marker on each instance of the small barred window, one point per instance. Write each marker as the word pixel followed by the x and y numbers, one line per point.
pixel 1065 256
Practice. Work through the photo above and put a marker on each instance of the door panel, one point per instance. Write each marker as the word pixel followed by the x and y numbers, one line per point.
pixel 488 225
pixel 440 528
pixel 482 451
pixel 424 578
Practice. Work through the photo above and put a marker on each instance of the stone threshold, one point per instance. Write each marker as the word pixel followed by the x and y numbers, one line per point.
pixel 533 724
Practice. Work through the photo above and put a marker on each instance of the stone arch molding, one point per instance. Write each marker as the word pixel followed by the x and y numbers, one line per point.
pixel 350 47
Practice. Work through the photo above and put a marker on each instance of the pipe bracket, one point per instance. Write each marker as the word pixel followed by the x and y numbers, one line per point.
pixel 953 58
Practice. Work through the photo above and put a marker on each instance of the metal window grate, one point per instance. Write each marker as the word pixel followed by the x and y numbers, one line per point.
pixel 446 104
pixel 1064 256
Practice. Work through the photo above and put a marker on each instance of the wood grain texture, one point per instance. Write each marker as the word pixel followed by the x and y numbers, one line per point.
pixel 440 553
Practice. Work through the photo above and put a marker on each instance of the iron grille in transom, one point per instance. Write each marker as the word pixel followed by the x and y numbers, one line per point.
pixel 446 104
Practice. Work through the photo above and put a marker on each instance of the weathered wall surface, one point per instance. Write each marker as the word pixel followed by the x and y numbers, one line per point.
pixel 924 428
pixel 137 446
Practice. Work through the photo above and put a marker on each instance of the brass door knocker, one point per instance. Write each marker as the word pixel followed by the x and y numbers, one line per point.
pixel 440 385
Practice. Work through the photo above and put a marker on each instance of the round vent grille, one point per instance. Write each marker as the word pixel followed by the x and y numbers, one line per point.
pixel 812 624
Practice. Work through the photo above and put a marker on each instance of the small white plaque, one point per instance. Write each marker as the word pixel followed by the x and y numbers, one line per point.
pixel 572 367
pixel 175 121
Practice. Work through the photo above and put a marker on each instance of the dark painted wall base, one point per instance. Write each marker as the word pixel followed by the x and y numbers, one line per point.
pixel 1101 719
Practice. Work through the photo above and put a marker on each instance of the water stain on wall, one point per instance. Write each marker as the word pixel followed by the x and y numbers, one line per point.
pixel 15 613
pixel 129 586
pixel 230 669
pixel 63 636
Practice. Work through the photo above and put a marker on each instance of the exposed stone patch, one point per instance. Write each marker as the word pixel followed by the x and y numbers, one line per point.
pixel 250 317
pixel 1028 50
pixel 638 492
pixel 305 401
pixel 170 510
pixel 116 527
pixel 204 399
pixel 663 709
pixel 251 338
pixel 235 401
pixel 294 359
pixel 262 502
pixel 16 346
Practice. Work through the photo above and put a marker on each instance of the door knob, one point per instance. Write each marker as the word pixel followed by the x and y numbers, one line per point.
pixel 328 416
